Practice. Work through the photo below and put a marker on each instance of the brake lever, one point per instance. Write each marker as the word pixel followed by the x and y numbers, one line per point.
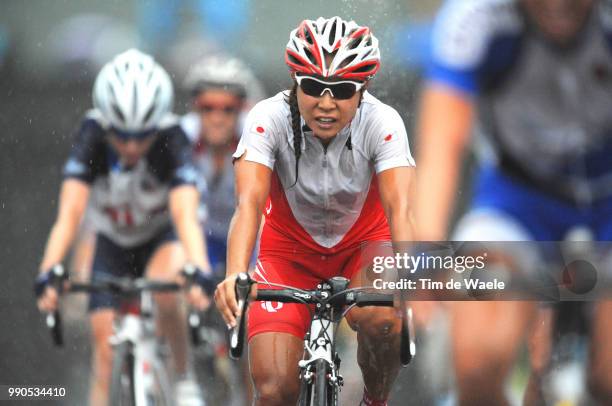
pixel 243 289
pixel 407 340
pixel 53 319
pixel 194 321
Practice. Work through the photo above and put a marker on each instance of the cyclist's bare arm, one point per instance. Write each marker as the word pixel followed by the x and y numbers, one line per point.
pixel 183 204
pixel 397 197
pixel 73 199
pixel 252 189
pixel 444 126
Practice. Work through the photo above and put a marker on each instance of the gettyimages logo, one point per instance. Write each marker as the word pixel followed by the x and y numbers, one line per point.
pixel 487 270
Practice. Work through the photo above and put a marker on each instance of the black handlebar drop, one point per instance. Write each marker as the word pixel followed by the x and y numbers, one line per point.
pixel 53 320
pixel 243 289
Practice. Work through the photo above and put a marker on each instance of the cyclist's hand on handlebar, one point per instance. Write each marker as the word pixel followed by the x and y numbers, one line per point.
pixel 201 286
pixel 46 293
pixel 47 302
pixel 227 303
pixel 197 298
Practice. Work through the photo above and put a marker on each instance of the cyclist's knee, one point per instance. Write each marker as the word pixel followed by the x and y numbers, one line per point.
pixel 103 359
pixel 278 389
pixel 167 304
pixel 375 323
pixel 102 329
pixel 485 370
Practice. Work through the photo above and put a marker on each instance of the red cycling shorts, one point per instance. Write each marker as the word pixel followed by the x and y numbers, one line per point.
pixel 298 266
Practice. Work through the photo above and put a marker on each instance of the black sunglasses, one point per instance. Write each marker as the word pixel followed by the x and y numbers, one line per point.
pixel 341 90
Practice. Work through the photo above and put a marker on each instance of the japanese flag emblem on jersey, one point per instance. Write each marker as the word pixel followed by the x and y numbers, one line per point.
pixel 390 137
pixel 258 129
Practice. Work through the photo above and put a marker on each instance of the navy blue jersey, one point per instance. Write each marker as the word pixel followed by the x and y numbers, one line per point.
pixel 130 205
pixel 544 112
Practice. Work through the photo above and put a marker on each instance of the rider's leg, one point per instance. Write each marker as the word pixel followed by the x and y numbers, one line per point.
pixel 485 338
pixel 378 347
pixel 600 371
pixel 165 263
pixel 540 347
pixel 102 357
pixel 378 328
pixel 273 359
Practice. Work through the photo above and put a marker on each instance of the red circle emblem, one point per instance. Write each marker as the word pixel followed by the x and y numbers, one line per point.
pixel 388 137
pixel 260 130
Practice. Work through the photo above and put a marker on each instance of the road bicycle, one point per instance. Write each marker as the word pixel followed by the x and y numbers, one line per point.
pixel 332 299
pixel 139 374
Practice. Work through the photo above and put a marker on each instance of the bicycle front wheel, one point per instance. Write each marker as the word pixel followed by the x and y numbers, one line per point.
pixel 320 386
pixel 122 391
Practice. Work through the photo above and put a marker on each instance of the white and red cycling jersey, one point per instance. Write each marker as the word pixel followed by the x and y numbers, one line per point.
pixel 335 203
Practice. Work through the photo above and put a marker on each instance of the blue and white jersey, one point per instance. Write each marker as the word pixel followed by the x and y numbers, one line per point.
pixel 544 113
pixel 130 205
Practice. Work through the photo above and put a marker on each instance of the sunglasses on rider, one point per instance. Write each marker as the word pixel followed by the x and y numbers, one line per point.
pixel 125 136
pixel 206 108
pixel 341 90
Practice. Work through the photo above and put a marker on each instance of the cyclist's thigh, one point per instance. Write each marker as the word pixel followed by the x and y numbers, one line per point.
pixel 290 318
pixel 166 261
pixel 493 329
pixel 167 256
pixel 273 362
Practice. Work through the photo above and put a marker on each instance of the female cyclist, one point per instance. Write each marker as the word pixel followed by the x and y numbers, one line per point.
pixel 131 159
pixel 331 168
pixel 222 89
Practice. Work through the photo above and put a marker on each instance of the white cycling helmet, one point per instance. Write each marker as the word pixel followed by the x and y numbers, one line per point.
pixel 224 72
pixel 133 92
pixel 353 49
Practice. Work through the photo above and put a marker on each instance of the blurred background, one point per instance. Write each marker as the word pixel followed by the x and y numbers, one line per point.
pixel 50 52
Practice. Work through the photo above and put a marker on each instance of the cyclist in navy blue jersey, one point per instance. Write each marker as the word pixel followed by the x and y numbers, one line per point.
pixel 534 79
pixel 131 163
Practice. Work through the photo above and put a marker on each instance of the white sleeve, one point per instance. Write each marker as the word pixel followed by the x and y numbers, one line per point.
pixel 259 140
pixel 463 31
pixel 388 141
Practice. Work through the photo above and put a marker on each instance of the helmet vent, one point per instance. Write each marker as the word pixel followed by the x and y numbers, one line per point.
pixel 310 56
pixel 118 76
pixel 149 113
pixel 347 61
pixel 118 112
pixel 135 101
pixel 366 68
pixel 307 36
pixel 332 34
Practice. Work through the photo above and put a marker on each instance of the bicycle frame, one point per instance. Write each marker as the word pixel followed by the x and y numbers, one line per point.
pixel 135 327
pixel 134 341
pixel 319 370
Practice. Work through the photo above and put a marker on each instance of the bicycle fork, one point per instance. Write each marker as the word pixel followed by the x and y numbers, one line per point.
pixel 319 344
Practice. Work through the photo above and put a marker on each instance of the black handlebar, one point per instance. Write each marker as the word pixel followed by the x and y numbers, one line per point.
pixel 122 286
pixel 345 297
